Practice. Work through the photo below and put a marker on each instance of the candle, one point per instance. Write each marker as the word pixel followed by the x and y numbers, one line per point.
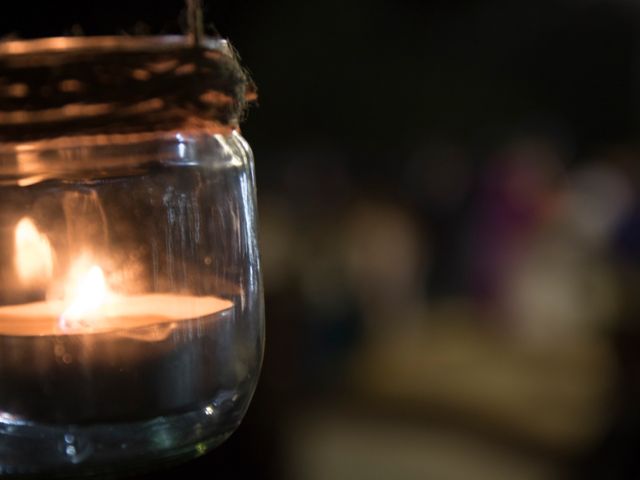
pixel 97 356
pixel 134 316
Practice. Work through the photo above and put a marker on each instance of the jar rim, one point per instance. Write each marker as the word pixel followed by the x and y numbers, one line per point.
pixel 110 43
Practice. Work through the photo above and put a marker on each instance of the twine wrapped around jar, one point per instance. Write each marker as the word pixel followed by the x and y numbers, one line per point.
pixel 114 85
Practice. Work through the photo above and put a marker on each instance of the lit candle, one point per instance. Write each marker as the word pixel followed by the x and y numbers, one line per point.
pixel 95 311
pixel 98 355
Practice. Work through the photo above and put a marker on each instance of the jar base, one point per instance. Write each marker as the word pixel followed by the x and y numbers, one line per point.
pixel 28 448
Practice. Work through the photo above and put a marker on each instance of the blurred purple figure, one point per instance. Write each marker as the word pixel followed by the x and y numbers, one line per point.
pixel 516 195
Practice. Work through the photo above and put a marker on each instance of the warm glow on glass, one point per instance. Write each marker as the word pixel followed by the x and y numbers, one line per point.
pixel 33 255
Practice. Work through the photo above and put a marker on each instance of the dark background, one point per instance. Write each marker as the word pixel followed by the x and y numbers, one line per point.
pixel 450 230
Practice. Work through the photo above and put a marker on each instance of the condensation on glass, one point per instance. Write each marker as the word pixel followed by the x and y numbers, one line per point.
pixel 131 317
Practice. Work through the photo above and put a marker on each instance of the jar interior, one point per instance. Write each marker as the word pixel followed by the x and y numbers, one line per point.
pixel 131 295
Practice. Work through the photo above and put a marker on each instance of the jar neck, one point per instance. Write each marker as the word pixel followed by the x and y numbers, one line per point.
pixel 100 156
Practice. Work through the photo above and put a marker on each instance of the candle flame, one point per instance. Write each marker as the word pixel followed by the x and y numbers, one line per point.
pixel 90 294
pixel 33 254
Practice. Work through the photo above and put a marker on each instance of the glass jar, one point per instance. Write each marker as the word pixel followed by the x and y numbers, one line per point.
pixel 131 312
